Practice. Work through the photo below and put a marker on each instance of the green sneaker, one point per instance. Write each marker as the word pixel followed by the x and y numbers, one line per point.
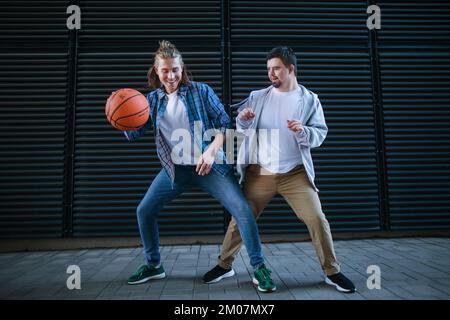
pixel 262 279
pixel 146 273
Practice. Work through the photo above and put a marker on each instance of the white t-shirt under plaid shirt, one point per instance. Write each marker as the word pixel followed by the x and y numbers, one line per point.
pixel 174 127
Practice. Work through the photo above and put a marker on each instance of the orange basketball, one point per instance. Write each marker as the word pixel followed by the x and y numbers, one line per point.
pixel 127 109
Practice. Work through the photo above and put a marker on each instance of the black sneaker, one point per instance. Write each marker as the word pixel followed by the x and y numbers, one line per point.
pixel 216 274
pixel 341 282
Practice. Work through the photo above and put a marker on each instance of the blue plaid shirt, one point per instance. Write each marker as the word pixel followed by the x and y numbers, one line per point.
pixel 202 105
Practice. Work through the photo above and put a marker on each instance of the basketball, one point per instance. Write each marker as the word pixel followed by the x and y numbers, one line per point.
pixel 127 109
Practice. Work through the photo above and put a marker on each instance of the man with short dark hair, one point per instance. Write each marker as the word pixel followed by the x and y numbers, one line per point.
pixel 296 113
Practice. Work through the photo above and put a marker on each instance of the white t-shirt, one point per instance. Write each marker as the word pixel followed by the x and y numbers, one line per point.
pixel 278 150
pixel 174 128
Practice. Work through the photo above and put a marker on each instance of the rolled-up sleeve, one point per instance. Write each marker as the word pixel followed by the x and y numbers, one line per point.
pixel 240 123
pixel 216 111
pixel 133 135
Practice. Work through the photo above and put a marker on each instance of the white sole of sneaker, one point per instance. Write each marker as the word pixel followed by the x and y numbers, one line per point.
pixel 158 276
pixel 331 283
pixel 256 282
pixel 225 275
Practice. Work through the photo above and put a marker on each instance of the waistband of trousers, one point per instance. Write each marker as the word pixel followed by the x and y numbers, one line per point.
pixel 257 169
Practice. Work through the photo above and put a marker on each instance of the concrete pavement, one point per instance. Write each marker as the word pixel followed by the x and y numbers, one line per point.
pixel 411 268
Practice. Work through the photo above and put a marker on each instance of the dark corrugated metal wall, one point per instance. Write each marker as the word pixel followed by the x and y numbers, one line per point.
pixel 33 90
pixel 65 171
pixel 414 48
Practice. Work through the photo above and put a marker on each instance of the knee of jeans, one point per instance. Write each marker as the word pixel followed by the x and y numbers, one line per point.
pixel 144 212
pixel 243 210
pixel 242 222
pixel 244 215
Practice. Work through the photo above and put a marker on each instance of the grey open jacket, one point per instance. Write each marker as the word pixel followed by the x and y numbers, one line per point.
pixel 313 134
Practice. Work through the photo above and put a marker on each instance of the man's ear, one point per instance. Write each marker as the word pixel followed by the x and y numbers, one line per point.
pixel 291 68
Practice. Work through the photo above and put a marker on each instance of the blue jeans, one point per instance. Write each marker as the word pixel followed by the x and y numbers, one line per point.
pixel 223 188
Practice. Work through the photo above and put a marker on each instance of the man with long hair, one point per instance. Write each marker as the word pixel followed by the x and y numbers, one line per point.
pixel 179 104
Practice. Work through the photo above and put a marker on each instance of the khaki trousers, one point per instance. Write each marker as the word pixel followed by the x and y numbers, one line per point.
pixel 259 188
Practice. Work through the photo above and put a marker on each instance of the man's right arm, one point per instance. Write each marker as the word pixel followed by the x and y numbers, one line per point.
pixel 133 135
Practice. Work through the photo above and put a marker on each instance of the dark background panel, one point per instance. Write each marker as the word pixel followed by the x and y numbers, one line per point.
pixel 33 112
pixel 414 50
pixel 418 22
pixel 416 104
pixel 111 23
pixel 33 25
pixel 293 21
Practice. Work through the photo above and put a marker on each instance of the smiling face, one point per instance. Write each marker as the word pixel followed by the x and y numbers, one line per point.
pixel 278 73
pixel 169 72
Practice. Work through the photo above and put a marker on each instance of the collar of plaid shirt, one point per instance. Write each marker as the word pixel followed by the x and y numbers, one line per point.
pixel 162 93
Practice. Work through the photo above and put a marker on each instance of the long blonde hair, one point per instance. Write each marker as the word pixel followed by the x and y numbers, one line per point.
pixel 166 50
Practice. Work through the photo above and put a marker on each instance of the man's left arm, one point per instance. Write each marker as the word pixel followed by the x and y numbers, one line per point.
pixel 216 111
pixel 221 122
pixel 314 132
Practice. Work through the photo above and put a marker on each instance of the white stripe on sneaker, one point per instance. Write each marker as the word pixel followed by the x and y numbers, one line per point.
pixel 256 282
pixel 331 283
pixel 225 275
pixel 158 276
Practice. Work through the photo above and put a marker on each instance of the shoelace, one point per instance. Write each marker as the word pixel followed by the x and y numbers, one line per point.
pixel 141 270
pixel 266 274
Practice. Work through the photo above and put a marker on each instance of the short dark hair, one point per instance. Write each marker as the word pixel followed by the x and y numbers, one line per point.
pixel 285 54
